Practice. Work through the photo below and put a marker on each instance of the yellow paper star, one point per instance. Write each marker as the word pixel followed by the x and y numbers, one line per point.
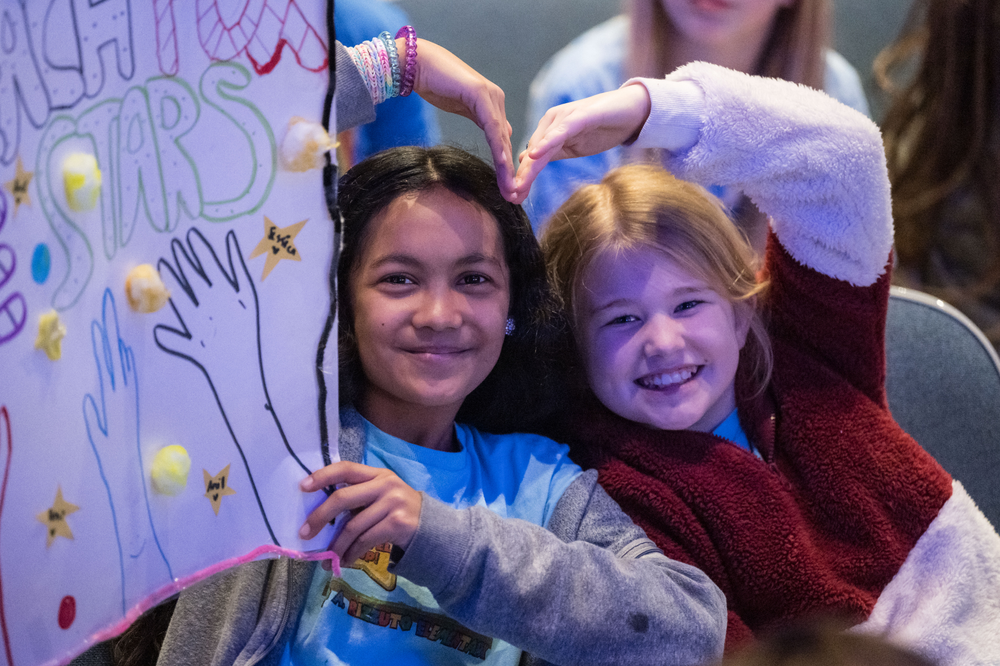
pixel 217 487
pixel 19 186
pixel 54 518
pixel 278 244
pixel 50 334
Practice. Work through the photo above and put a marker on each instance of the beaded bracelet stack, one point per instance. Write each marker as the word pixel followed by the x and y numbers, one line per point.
pixel 377 61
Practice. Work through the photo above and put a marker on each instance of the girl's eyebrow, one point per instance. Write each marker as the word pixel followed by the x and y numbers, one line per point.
pixel 679 291
pixel 410 260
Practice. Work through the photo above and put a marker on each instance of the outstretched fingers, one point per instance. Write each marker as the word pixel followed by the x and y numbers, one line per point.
pixel 584 127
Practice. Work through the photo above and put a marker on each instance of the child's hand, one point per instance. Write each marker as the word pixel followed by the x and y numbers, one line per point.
pixel 584 127
pixel 451 85
pixel 384 508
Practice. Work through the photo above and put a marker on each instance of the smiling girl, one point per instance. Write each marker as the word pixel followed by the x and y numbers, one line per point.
pixel 739 416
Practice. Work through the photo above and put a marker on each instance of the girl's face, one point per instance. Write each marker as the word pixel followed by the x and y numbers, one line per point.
pixel 430 297
pixel 659 345
pixel 720 21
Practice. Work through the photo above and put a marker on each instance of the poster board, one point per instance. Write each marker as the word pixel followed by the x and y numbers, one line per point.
pixel 182 107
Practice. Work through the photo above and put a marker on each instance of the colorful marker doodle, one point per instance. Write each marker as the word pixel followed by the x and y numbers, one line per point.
pixel 6 454
pixel 138 141
pixel 54 518
pixel 41 263
pixel 166 37
pixel 119 455
pixel 67 612
pixel 216 487
pixel 54 55
pixel 217 329
pixel 13 308
pixel 21 87
pixel 259 28
pixel 278 243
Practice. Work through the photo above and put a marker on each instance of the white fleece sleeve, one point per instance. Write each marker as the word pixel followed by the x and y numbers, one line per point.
pixel 945 600
pixel 814 166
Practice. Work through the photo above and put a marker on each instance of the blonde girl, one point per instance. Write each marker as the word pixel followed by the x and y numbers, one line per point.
pixel 741 420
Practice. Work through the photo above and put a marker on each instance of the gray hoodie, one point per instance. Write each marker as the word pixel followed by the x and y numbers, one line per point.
pixel 590 589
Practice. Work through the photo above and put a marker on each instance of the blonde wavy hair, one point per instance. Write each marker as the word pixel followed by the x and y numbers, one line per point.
pixel 643 206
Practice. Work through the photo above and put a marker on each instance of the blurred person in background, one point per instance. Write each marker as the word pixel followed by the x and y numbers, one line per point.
pixel 786 39
pixel 943 148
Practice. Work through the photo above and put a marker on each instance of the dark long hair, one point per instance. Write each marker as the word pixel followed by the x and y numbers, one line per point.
pixel 941 130
pixel 520 389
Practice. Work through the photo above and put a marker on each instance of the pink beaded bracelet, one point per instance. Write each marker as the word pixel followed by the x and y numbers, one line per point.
pixel 410 67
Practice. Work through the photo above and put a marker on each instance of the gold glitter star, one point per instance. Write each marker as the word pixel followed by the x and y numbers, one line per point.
pixel 50 334
pixel 19 186
pixel 54 518
pixel 278 243
pixel 217 487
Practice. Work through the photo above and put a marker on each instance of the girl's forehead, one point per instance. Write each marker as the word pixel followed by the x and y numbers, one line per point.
pixel 616 268
pixel 433 222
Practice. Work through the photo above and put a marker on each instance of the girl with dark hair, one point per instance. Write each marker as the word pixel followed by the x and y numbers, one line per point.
pixel 515 393
pixel 942 140
pixel 460 546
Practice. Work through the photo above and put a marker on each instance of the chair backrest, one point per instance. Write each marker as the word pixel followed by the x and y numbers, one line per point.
pixel 943 385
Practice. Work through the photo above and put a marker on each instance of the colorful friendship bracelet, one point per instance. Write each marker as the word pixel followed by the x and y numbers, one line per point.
pixel 390 46
pixel 410 68
pixel 379 74
pixel 378 63
pixel 385 66
pixel 371 73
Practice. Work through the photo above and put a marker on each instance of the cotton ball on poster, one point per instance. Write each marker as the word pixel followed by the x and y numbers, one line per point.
pixel 82 180
pixel 51 331
pixel 169 473
pixel 304 145
pixel 145 290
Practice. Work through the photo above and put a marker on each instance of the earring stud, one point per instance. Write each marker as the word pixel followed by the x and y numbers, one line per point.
pixel 509 328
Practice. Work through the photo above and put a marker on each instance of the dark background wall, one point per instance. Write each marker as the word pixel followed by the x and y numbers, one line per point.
pixel 509 40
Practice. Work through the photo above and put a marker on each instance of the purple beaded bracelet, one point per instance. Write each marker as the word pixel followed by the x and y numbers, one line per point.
pixel 410 67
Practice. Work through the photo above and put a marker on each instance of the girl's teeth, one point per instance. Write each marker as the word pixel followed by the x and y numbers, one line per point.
pixel 666 379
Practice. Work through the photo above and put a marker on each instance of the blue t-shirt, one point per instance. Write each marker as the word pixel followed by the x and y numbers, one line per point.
pixel 732 430
pixel 372 616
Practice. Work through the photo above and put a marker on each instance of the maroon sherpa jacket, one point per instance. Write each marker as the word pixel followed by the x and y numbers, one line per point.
pixel 826 519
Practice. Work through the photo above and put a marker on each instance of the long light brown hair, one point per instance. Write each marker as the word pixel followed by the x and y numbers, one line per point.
pixel 795 50
pixel 642 205
pixel 941 130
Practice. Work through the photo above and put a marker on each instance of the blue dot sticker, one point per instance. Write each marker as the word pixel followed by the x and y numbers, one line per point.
pixel 41 262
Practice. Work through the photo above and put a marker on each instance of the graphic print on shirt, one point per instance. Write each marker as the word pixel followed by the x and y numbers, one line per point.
pixel 375 563
pixel 389 615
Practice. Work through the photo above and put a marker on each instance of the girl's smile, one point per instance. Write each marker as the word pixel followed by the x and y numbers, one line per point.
pixel 660 346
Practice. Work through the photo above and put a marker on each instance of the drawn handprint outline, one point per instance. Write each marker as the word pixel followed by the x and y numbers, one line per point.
pixel 183 334
pixel 97 417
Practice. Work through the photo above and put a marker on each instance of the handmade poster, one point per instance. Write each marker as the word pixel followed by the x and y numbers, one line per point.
pixel 165 260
